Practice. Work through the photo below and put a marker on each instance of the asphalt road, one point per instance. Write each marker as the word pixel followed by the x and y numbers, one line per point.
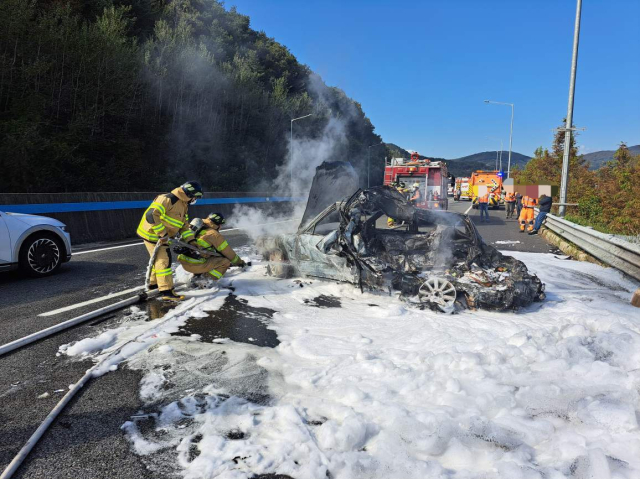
pixel 503 233
pixel 86 440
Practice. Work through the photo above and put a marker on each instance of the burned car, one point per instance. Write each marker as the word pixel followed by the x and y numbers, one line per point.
pixel 436 259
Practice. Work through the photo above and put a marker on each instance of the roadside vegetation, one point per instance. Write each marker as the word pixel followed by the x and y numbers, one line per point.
pixel 130 95
pixel 608 198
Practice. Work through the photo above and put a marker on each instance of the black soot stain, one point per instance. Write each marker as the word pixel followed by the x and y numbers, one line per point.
pixel 235 320
pixel 324 301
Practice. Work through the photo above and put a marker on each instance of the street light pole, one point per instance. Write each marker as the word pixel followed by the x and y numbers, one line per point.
pixel 510 131
pixel 291 145
pixel 369 161
pixel 564 183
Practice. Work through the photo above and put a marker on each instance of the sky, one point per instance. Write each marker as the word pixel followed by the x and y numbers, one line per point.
pixel 421 69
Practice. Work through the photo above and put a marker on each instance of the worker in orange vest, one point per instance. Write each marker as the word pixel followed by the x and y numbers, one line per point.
pixel 483 204
pixel 527 213
pixel 510 200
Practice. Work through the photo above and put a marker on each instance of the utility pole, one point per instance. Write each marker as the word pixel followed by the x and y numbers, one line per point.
pixel 501 148
pixel 564 184
pixel 510 131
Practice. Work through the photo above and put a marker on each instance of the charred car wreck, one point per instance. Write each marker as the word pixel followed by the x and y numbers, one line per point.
pixel 436 259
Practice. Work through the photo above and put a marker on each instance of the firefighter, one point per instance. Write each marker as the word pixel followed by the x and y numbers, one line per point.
pixel 483 204
pixel 402 189
pixel 165 218
pixel 208 237
pixel 416 194
pixel 510 200
pixel 527 213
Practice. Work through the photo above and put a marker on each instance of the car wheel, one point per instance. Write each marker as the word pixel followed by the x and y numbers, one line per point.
pixel 277 265
pixel 438 291
pixel 41 255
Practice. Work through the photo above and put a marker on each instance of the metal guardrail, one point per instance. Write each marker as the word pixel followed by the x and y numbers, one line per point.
pixel 609 249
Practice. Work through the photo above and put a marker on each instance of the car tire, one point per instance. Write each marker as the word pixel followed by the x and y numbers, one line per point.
pixel 41 254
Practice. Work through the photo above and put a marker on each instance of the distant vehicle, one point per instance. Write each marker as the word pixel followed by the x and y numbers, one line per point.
pixel 493 181
pixel 36 245
pixel 430 175
pixel 463 189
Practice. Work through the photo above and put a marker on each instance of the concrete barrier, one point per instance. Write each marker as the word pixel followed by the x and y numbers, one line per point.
pixel 94 217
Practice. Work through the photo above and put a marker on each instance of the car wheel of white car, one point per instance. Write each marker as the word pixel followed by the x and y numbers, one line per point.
pixel 438 291
pixel 41 255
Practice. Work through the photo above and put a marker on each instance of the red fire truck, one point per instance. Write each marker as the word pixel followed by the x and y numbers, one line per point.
pixel 431 177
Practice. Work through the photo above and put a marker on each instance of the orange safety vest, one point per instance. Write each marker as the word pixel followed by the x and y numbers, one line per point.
pixel 528 202
pixel 511 198
pixel 483 199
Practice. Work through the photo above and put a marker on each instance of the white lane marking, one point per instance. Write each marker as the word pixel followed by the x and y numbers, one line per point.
pixel 126 291
pixel 141 243
pixel 108 248
pixel 91 301
pixel 468 209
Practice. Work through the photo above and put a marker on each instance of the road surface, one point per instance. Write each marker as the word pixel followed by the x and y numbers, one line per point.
pixel 86 440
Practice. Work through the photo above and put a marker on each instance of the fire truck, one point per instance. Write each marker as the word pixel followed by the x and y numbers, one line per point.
pixel 431 177
pixel 492 180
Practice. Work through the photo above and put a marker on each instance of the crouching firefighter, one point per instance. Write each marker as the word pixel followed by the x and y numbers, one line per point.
pixel 208 238
pixel 166 218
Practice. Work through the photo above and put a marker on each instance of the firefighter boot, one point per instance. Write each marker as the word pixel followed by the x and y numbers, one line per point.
pixel 170 295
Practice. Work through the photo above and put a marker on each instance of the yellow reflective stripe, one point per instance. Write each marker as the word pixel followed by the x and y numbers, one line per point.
pixel 146 235
pixel 158 228
pixel 158 206
pixel 203 243
pixel 164 272
pixel 172 221
pixel 187 234
pixel 236 259
pixel 215 273
pixel 188 259
pixel 222 246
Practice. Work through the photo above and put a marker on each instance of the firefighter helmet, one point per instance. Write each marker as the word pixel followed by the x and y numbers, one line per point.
pixel 216 218
pixel 192 189
pixel 196 225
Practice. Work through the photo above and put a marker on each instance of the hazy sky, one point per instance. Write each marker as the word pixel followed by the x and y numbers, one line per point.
pixel 421 69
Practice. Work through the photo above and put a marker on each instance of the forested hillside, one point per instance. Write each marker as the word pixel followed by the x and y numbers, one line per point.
pixel 135 95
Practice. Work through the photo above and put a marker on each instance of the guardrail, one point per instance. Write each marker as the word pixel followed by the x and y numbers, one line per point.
pixel 609 249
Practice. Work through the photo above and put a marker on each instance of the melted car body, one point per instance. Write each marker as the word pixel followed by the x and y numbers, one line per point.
pixel 436 258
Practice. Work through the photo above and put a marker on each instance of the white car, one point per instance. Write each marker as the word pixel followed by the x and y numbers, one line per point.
pixel 36 244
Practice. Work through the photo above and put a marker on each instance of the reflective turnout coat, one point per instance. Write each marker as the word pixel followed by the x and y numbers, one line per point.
pixel 216 266
pixel 167 215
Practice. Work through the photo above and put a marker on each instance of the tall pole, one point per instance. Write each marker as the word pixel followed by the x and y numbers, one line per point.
pixel 498 158
pixel 510 131
pixel 510 142
pixel 569 122
pixel 291 145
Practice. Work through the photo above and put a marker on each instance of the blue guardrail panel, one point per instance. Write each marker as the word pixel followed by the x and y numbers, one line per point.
pixel 41 208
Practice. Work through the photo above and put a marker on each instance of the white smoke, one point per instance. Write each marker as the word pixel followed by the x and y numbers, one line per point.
pixel 294 179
